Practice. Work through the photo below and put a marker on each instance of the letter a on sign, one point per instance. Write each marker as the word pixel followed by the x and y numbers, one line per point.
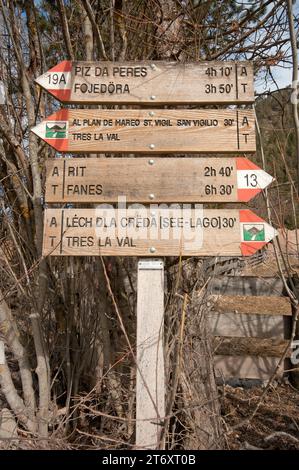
pixel 53 222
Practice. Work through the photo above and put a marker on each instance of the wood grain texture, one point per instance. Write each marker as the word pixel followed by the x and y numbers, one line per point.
pixel 266 305
pixel 246 286
pixel 92 232
pixel 141 180
pixel 152 82
pixel 239 346
pixel 154 131
pixel 150 374
pixel 255 326
pixel 249 367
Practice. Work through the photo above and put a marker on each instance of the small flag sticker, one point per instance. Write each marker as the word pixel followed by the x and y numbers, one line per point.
pixel 56 130
pixel 254 233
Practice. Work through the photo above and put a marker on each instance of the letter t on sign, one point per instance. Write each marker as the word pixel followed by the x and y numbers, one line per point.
pixel 150 380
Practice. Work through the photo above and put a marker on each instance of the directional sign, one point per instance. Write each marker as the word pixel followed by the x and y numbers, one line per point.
pixel 154 231
pixel 157 131
pixel 153 179
pixel 150 82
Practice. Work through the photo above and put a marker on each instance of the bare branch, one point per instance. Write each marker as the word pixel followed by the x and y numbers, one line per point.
pixel 295 84
pixel 65 29
pixel 96 28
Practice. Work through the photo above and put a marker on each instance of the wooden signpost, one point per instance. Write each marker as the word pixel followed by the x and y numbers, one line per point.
pixel 2 353
pixel 153 230
pixel 155 131
pixel 95 180
pixel 150 384
pixel 150 82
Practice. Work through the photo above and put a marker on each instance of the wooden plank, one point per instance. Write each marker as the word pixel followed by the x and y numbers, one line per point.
pixel 238 346
pixel 266 305
pixel 153 179
pixel 150 82
pixel 150 384
pixel 249 367
pixel 246 285
pixel 154 231
pixel 255 326
pixel 156 131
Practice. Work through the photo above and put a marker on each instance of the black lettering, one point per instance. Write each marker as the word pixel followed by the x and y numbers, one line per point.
pixel 112 137
pixel 104 242
pixel 54 187
pixel 53 222
pixel 55 171
pixel 52 238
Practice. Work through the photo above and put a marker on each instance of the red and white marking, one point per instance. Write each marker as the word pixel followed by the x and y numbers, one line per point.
pixel 251 179
pixel 248 217
pixel 58 80
pixel 62 145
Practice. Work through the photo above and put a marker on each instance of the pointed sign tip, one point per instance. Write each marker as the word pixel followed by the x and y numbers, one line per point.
pixel 37 130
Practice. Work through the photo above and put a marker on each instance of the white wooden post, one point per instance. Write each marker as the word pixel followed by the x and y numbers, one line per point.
pixel 150 386
pixel 2 355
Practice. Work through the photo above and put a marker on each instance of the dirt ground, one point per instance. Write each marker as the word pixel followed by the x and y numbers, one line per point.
pixel 275 424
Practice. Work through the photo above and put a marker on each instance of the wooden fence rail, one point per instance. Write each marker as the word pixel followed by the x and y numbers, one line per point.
pixel 249 321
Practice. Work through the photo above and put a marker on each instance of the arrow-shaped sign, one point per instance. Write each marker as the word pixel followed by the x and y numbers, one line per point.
pixel 150 82
pixel 95 180
pixel 154 232
pixel 153 130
